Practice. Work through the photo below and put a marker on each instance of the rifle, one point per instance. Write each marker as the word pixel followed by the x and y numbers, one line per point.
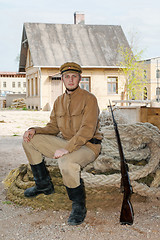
pixel 127 214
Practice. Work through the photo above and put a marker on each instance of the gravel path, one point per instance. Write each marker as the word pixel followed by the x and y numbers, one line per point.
pixel 24 223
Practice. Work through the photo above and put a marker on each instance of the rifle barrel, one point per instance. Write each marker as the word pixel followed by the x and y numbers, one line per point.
pixel 127 214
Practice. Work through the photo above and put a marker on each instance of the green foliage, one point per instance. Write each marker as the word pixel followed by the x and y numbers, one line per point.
pixel 7 202
pixel 15 135
pixel 135 85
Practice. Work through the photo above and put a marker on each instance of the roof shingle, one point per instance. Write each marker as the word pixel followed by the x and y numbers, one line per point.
pixel 88 45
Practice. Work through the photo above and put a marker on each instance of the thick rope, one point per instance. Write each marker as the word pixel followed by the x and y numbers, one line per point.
pixel 140 141
pixel 141 146
pixel 145 144
pixel 114 179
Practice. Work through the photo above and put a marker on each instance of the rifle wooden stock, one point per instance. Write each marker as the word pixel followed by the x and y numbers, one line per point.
pixel 127 214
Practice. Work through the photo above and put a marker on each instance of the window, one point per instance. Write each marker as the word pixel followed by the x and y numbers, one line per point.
pixel 112 84
pixel 145 93
pixel 4 84
pixel 85 83
pixel 36 86
pixel 157 73
pixel 13 84
pixel 24 84
pixel 56 78
pixel 19 84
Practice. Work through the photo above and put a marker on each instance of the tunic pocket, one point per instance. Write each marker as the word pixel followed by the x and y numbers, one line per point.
pixel 77 117
pixel 61 121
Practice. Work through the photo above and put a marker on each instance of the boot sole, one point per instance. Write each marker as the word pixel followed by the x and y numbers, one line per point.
pixel 45 193
pixel 75 224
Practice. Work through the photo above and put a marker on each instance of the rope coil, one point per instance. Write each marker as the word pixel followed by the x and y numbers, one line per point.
pixel 140 142
pixel 141 146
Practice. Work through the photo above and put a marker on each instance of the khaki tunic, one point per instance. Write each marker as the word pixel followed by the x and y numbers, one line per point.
pixel 76 116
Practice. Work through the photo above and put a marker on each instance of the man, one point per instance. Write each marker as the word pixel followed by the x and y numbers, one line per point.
pixel 75 115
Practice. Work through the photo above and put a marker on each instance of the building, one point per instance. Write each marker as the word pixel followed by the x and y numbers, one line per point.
pixel 45 47
pixel 12 82
pixel 152 67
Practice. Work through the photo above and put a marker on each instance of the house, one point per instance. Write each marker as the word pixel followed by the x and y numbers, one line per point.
pixel 45 47
pixel 152 67
pixel 146 109
pixel 12 82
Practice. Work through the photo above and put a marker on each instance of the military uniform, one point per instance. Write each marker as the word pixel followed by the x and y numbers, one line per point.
pixel 75 115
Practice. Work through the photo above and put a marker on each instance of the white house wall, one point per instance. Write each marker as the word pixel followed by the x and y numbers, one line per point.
pixel 151 68
pixel 32 100
pixel 9 80
pixel 98 87
pixel 154 83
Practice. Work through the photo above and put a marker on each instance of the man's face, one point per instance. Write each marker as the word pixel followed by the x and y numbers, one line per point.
pixel 71 80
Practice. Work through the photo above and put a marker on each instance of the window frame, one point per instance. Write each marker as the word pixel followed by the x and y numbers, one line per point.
pixel 5 84
pixel 112 83
pixel 13 84
pixel 85 83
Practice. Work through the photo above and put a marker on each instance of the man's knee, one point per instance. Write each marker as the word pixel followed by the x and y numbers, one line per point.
pixel 68 168
pixel 63 166
pixel 25 144
pixel 34 139
pixel 29 144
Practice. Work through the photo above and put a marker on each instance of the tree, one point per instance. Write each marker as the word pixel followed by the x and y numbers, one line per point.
pixel 133 69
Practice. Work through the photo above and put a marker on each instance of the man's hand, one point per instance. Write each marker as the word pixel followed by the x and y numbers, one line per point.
pixel 28 135
pixel 60 152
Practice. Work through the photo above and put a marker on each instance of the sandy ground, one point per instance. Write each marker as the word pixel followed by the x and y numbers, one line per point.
pixel 24 223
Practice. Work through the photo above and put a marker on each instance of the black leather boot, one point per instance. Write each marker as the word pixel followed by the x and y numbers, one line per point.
pixel 42 180
pixel 77 196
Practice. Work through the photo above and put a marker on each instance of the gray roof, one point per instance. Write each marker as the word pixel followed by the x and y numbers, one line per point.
pixel 89 45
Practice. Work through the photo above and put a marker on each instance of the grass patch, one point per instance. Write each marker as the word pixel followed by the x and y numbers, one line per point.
pixel 7 202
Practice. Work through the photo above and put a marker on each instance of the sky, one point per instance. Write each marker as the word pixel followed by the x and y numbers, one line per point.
pixel 140 18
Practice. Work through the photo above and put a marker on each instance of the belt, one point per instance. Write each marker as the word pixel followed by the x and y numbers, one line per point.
pixel 95 141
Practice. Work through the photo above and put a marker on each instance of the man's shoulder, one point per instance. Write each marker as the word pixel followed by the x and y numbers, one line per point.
pixel 87 93
pixel 60 97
